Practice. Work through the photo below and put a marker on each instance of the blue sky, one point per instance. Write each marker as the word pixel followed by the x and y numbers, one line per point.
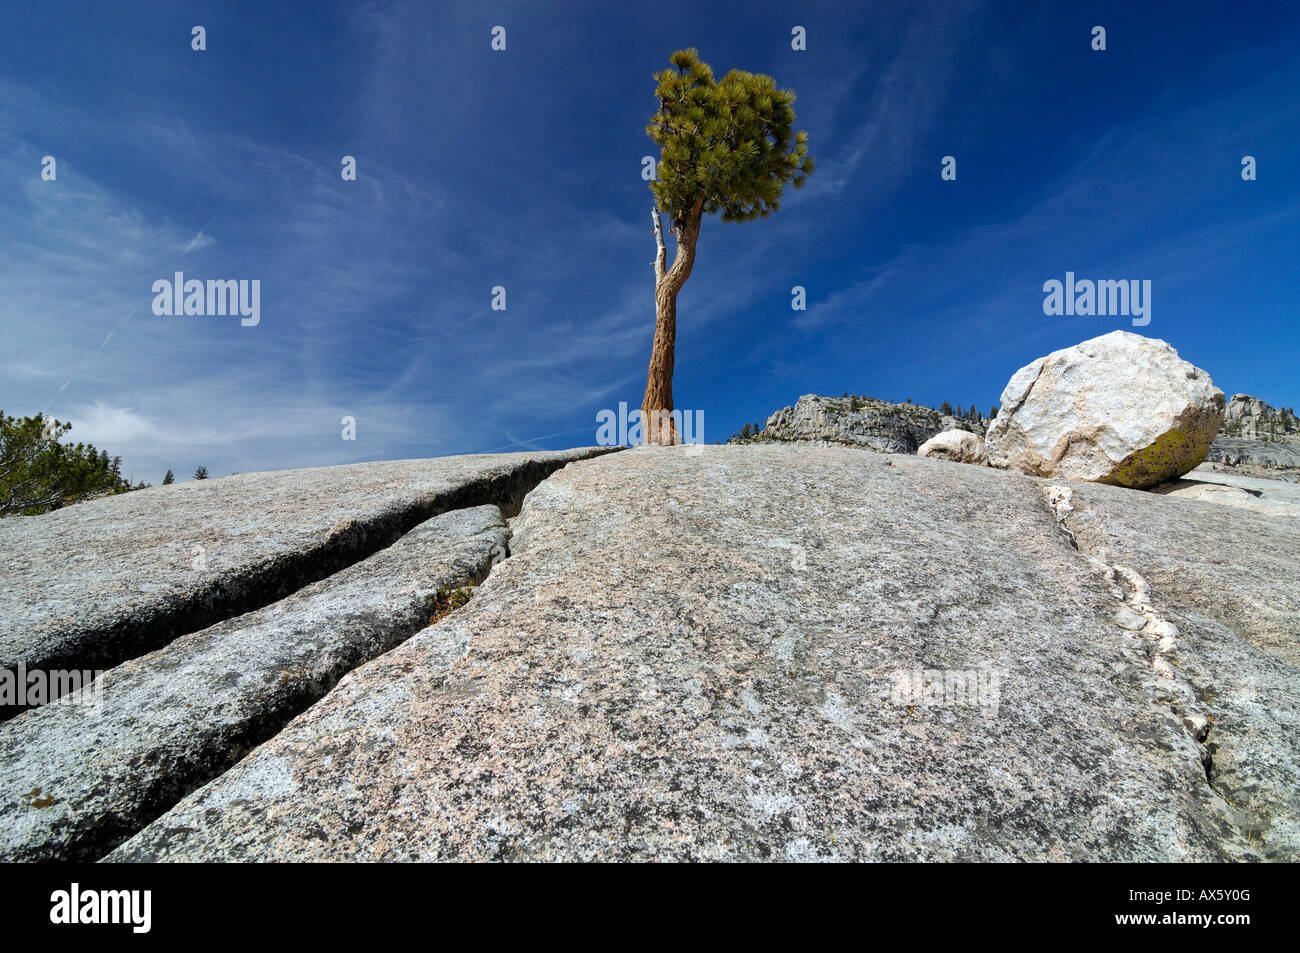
pixel 523 169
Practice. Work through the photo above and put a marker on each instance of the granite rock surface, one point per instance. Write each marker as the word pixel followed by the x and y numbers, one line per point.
pixel 790 653
pixel 91 585
pixel 79 775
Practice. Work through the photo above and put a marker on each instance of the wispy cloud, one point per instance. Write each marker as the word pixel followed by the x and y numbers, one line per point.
pixel 905 101
pixel 199 241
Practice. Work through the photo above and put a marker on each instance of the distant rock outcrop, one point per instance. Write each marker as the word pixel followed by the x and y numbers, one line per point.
pixel 1258 440
pixel 861 422
pixel 1120 409
pixel 1252 419
pixel 1255 454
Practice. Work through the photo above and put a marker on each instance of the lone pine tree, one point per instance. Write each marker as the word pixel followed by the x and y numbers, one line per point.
pixel 726 146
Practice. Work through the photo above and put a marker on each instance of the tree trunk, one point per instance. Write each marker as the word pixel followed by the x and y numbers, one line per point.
pixel 656 409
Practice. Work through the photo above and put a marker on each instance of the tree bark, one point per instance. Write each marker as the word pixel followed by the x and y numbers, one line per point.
pixel 656 409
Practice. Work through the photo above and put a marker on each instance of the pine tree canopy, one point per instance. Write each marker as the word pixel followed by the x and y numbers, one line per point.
pixel 39 474
pixel 727 144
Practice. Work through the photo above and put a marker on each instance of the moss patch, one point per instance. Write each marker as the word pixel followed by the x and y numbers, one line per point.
pixel 1172 455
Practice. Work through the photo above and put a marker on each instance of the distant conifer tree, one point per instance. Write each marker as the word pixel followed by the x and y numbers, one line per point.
pixel 39 474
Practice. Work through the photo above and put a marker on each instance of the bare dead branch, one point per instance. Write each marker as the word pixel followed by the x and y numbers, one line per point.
pixel 661 253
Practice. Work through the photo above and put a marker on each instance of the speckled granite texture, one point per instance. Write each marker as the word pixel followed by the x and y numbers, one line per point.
pixel 91 585
pixel 75 779
pixel 786 653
